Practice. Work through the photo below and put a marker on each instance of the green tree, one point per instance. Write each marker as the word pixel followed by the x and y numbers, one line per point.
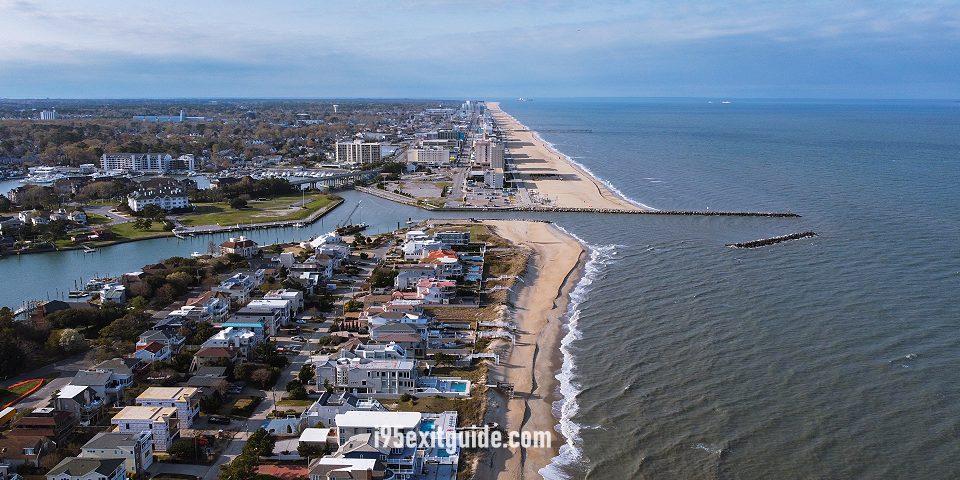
pixel 238 203
pixel 181 280
pixel 241 468
pixel 5 204
pixel 306 373
pixel 296 390
pixel 260 444
pixel 307 450
pixel 70 341
pixel 184 449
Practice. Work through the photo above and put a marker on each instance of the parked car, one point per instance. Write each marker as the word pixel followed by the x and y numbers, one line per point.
pixel 298 338
pixel 301 321
pixel 219 420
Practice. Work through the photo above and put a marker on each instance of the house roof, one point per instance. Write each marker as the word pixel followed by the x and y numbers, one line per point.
pixel 167 393
pixel 125 365
pixel 92 378
pixel 79 467
pixel 216 352
pixel 153 347
pixel 111 440
pixel 70 391
pixel 210 372
pixel 11 448
pixel 363 419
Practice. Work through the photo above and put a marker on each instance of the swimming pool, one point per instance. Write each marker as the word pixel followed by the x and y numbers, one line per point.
pixel 427 425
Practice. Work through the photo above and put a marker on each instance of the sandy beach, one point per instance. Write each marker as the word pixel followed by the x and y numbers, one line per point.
pixel 533 362
pixel 551 174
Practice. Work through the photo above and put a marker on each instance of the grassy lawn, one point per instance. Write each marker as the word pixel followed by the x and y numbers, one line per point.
pixel 273 210
pixel 286 402
pixel 127 230
pixel 94 219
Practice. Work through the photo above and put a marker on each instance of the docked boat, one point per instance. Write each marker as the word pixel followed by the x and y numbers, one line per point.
pixel 351 229
pixel 77 294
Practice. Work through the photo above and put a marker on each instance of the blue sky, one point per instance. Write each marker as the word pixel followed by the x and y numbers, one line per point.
pixel 485 48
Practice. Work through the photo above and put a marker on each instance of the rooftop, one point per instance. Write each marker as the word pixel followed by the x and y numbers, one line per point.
pixel 367 419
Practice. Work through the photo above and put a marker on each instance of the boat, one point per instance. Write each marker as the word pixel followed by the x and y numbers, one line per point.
pixel 88 249
pixel 77 294
pixel 299 225
pixel 197 254
pixel 351 229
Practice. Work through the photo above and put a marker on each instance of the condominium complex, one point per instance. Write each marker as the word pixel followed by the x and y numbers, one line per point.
pixel 429 157
pixel 357 152
pixel 146 162
pixel 488 152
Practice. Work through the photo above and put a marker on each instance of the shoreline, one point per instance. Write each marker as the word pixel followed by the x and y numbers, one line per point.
pixel 529 145
pixel 309 220
pixel 554 268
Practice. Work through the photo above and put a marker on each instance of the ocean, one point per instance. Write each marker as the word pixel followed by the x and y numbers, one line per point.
pixel 831 357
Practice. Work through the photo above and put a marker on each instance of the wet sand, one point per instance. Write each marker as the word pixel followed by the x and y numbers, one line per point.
pixel 533 362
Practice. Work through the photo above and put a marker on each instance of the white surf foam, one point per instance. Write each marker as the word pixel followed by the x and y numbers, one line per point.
pixel 571 452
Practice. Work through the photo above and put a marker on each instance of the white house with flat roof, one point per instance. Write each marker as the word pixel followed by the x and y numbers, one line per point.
pixel 161 422
pixel 186 400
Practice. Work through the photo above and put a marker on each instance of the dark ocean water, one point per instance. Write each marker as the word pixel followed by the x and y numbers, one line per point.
pixel 833 357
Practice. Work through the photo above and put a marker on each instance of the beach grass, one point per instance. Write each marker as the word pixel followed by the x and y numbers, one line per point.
pixel 277 209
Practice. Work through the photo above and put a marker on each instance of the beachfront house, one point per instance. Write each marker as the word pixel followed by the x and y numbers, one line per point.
pixel 367 377
pixel 160 421
pixel 136 449
pixel 329 405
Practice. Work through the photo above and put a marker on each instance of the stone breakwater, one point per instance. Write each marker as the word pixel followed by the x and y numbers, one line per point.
pixel 773 240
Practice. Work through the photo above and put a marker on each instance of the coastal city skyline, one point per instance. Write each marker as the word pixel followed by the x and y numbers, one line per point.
pixel 495 49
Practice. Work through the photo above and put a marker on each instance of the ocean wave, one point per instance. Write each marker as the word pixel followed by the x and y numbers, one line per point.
pixel 571 452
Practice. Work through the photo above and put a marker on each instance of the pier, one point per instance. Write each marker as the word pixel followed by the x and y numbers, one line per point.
pixel 773 240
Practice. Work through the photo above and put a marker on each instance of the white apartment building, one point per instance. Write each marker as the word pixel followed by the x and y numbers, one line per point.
pixel 167 198
pixel 161 422
pixel 358 152
pixel 429 157
pixel 186 401
pixel 136 162
pixel 272 314
pixel 48 114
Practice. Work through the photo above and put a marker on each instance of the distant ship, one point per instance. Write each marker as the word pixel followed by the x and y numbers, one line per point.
pixel 521 99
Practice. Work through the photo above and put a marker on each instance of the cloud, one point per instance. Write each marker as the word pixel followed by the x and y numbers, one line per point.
pixel 426 47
